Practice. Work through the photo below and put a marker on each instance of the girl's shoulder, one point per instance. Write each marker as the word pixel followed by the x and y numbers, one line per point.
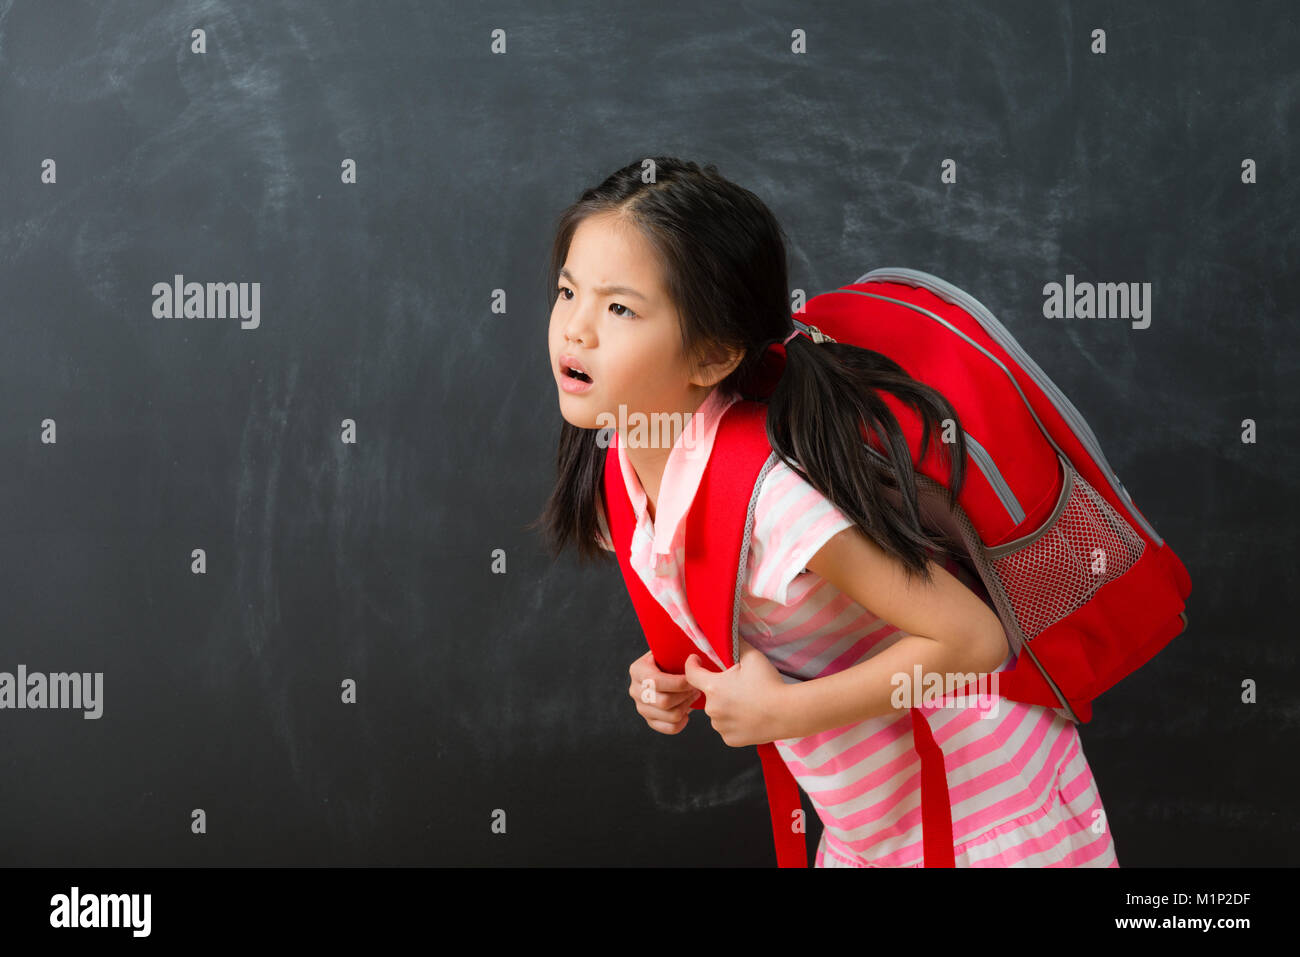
pixel 792 521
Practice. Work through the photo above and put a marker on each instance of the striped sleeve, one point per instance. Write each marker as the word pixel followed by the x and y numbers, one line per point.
pixel 792 521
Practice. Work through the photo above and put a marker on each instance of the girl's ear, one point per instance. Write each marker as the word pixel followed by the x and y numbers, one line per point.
pixel 719 364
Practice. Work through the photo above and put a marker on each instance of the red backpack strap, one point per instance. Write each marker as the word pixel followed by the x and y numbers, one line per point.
pixel 715 526
pixel 670 645
pixel 718 536
pixel 718 523
pixel 718 530
pixel 936 809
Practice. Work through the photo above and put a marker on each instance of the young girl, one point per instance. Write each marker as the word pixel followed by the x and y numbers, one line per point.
pixel 667 295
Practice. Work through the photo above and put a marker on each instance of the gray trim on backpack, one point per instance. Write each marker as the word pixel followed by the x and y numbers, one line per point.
pixel 1006 548
pixel 984 462
pixel 744 555
pixel 958 530
pixel 981 313
pixel 974 345
pixel 1000 486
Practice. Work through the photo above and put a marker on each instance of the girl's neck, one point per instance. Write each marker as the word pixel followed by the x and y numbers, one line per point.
pixel 649 463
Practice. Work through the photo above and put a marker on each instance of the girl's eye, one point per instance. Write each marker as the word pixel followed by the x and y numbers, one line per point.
pixel 627 313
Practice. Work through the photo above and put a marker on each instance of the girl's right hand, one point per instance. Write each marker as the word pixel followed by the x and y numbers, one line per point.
pixel 668 707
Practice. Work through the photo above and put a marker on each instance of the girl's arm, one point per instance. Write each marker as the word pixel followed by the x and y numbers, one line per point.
pixel 950 630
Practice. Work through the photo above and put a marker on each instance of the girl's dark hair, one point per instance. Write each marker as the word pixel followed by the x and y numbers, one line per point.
pixel 722 255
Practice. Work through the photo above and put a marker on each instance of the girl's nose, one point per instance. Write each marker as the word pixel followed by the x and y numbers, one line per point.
pixel 577 329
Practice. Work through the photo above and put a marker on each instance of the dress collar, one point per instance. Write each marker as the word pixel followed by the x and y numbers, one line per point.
pixel 682 472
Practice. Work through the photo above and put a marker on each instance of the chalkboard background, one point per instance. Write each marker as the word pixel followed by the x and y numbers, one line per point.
pixel 372 561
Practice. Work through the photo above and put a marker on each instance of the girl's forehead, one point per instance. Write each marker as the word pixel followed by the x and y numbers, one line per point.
pixel 615 245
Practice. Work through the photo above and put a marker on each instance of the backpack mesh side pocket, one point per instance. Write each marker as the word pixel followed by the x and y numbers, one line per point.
pixel 1056 569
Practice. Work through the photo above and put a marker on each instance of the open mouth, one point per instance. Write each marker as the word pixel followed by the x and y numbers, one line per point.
pixel 572 370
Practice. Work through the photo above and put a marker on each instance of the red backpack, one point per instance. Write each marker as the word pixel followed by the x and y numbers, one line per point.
pixel 1086 589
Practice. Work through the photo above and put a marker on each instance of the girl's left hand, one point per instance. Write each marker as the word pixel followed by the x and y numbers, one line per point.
pixel 745 701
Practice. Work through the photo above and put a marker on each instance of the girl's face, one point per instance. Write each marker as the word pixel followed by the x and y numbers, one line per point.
pixel 612 317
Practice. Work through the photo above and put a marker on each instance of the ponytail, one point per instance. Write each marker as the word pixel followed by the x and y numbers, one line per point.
pixel 815 415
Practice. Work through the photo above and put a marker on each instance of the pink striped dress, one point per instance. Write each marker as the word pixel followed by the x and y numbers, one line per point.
pixel 1021 790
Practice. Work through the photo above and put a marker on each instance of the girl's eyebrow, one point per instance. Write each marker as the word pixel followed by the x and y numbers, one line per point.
pixel 605 290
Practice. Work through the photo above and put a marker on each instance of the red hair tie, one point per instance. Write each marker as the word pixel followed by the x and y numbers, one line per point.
pixel 772 365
